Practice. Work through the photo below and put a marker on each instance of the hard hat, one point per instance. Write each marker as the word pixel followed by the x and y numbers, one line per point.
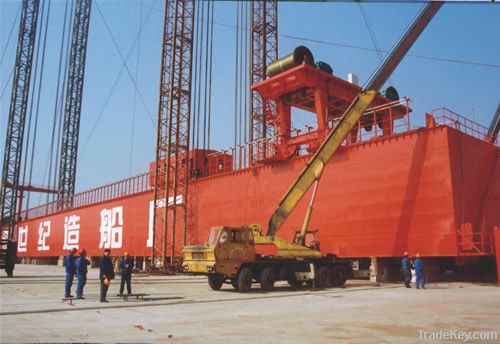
pixel 126 254
pixel 73 250
pixel 417 255
pixel 83 251
pixel 107 281
pixel 405 254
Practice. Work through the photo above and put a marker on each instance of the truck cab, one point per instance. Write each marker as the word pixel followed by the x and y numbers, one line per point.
pixel 223 253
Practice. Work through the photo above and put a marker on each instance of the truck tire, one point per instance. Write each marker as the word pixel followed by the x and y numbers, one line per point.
pixel 234 283
pixel 267 279
pixel 215 281
pixel 293 281
pixel 323 277
pixel 339 276
pixel 245 279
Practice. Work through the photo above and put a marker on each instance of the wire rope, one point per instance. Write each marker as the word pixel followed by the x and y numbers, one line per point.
pixel 10 34
pixel 113 87
pixel 39 91
pixel 205 95
pixel 61 103
pixel 200 55
pixel 56 105
pixel 132 129
pixel 210 74
pixel 236 77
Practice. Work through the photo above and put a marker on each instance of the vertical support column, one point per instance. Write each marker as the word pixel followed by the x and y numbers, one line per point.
pixel 73 106
pixel 172 146
pixel 373 269
pixel 263 51
pixel 17 114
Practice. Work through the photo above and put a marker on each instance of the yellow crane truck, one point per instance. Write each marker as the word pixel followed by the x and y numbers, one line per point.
pixel 235 255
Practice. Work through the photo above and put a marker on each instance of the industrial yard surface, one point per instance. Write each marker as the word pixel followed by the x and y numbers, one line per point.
pixel 182 309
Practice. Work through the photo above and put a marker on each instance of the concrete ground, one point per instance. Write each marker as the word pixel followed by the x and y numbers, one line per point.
pixel 182 309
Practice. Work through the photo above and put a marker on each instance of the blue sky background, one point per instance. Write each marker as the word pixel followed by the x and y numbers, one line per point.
pixel 116 141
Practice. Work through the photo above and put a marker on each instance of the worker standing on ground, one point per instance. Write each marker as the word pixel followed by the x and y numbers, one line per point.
pixel 406 269
pixel 81 264
pixel 106 273
pixel 69 267
pixel 418 265
pixel 126 266
pixel 10 259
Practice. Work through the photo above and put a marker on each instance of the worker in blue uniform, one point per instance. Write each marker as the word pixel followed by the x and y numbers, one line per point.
pixel 69 267
pixel 406 269
pixel 418 265
pixel 81 264
pixel 126 266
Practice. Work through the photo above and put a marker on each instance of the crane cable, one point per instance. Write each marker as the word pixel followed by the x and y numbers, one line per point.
pixel 31 99
pixel 236 76
pixel 56 105
pixel 206 78
pixel 132 134
pixel 61 103
pixel 40 83
pixel 14 22
pixel 195 78
pixel 210 75
pixel 109 95
pixel 37 82
pixel 10 35
pixel 199 75
pixel 247 74
pixel 372 36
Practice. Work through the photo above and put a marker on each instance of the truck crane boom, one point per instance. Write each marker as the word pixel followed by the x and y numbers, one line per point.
pixel 314 168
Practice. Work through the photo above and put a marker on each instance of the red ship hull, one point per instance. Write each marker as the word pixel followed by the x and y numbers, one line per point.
pixel 432 190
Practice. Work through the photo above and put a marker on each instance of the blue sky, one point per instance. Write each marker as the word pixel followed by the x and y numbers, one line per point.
pixel 117 141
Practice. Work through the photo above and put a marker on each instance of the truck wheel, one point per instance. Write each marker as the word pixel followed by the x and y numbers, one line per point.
pixel 234 283
pixel 267 279
pixel 293 281
pixel 215 281
pixel 339 276
pixel 245 279
pixel 323 277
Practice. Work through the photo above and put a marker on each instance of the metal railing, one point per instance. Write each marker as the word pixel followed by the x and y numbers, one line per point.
pixel 124 187
pixel 454 120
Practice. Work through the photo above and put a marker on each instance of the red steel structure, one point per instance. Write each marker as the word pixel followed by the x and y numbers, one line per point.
pixel 433 190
